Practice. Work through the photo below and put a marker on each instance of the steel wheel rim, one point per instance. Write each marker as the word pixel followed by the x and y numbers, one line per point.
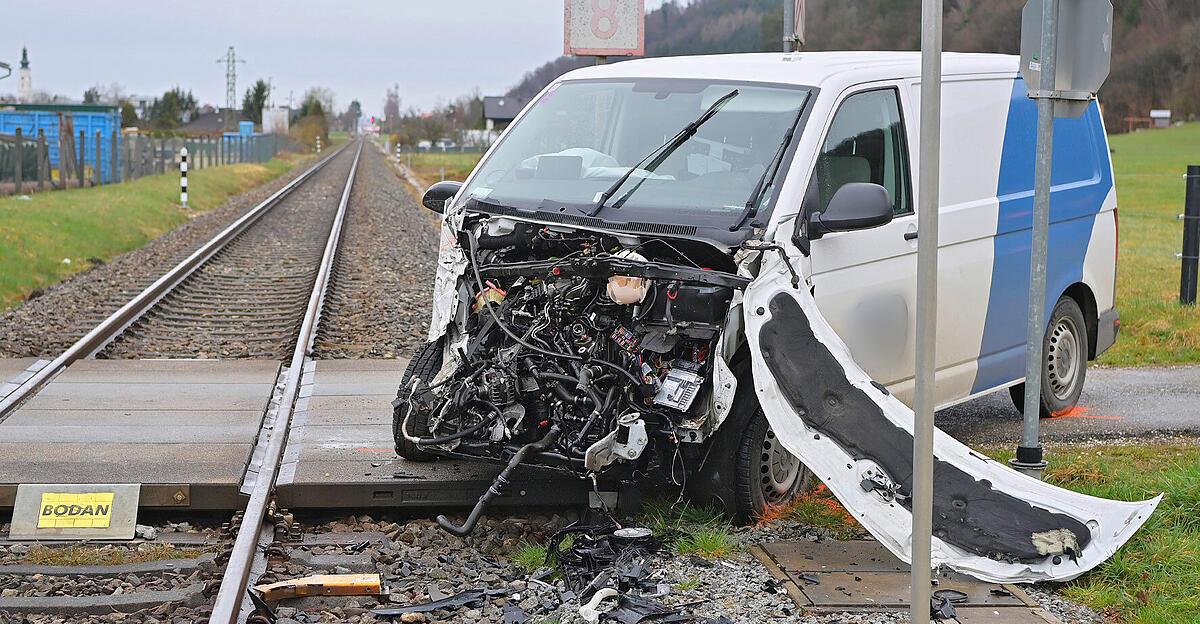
pixel 1063 358
pixel 779 470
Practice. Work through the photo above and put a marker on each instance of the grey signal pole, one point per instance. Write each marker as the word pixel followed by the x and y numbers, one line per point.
pixel 927 278
pixel 1029 453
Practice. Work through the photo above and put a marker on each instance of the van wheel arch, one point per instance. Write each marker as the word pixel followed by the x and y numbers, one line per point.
pixel 1086 300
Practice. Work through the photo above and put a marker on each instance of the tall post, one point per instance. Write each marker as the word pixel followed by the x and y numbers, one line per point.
pixel 183 169
pixel 19 164
pixel 927 281
pixel 1191 238
pixel 97 179
pixel 82 151
pixel 43 159
pixel 789 25
pixel 114 157
pixel 1029 454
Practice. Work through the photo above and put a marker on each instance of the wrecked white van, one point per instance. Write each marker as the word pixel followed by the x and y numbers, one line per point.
pixel 700 269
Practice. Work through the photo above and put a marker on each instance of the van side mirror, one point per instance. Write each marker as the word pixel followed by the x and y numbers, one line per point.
pixel 855 206
pixel 436 196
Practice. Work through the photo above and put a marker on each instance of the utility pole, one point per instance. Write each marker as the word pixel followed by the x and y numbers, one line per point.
pixel 231 60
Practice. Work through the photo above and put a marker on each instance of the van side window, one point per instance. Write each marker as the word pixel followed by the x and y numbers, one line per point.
pixel 865 144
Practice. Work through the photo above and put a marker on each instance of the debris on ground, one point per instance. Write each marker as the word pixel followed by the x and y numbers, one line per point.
pixel 322 585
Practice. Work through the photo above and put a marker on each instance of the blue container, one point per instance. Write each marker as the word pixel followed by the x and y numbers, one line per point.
pixel 30 119
pixel 246 128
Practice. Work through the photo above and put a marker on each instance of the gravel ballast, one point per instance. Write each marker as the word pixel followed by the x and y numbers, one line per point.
pixel 379 301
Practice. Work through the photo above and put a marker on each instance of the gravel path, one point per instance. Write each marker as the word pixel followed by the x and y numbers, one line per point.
pixel 52 320
pixel 379 302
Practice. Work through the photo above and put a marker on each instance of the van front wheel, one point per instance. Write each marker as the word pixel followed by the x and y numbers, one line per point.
pixel 1064 361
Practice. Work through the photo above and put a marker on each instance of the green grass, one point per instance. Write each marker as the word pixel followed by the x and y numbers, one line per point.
pixel 1149 168
pixel 79 225
pixel 530 557
pixel 688 528
pixel 106 555
pixel 688 585
pixel 820 509
pixel 428 165
pixel 1155 577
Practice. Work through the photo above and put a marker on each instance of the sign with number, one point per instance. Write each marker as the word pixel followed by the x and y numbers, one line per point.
pixel 605 27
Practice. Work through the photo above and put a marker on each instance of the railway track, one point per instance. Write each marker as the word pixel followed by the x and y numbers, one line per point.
pixel 255 290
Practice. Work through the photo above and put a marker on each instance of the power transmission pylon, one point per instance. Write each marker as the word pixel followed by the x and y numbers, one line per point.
pixel 231 60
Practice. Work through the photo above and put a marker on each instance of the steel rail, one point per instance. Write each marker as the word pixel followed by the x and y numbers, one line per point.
pixel 237 572
pixel 118 321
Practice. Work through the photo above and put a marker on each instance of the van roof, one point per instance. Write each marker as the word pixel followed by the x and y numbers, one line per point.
pixel 818 69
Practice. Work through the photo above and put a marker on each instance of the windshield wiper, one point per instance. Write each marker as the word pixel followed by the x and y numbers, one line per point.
pixel 768 175
pixel 661 153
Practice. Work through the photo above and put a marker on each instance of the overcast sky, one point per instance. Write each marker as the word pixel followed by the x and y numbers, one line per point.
pixel 432 48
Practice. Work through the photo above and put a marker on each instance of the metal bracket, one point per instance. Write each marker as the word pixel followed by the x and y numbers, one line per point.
pixel 1038 94
pixel 1183 217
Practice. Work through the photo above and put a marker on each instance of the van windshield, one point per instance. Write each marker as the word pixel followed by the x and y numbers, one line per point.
pixel 580 137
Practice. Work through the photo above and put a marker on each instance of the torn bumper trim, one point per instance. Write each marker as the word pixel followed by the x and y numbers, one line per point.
pixel 990 521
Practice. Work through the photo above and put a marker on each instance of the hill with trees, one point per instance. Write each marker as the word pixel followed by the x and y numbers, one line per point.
pixel 1156 43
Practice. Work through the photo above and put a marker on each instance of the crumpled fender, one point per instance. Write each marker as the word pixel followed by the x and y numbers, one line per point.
pixel 990 521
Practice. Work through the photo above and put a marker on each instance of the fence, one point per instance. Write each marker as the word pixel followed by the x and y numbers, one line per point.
pixel 26 163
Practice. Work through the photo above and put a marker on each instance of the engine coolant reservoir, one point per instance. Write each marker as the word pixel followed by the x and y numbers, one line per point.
pixel 624 289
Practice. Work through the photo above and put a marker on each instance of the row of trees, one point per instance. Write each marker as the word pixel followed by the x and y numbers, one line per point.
pixel 444 120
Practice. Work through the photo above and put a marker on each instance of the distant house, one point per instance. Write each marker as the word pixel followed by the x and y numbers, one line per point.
pixel 1161 117
pixel 498 112
pixel 209 122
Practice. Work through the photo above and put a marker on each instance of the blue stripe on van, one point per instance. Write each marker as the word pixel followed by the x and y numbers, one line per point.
pixel 1080 181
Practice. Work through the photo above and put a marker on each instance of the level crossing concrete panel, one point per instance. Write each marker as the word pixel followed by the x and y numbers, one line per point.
pixel 185 427
pixel 341 453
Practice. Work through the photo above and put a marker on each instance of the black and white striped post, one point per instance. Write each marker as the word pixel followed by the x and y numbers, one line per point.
pixel 318 144
pixel 183 167
pixel 397 152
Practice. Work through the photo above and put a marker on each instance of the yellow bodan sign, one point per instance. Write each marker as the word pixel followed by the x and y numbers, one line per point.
pixel 61 510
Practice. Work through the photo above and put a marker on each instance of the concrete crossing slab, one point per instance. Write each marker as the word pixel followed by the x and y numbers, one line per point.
pixel 341 452
pixel 184 429
pixel 861 575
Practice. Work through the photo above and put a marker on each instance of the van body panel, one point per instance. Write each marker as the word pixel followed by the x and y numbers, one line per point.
pixel 1080 183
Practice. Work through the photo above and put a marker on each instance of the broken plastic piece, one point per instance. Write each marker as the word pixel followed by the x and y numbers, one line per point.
pixel 591 611
pixel 322 585
pixel 470 598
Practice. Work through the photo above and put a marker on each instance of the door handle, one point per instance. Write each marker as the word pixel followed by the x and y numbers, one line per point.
pixel 910 235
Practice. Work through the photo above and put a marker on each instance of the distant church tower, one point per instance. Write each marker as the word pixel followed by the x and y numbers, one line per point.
pixel 25 87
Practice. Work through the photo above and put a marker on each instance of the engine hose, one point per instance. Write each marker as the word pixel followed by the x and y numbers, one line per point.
pixel 453 436
pixel 601 412
pixel 473 260
pixel 497 486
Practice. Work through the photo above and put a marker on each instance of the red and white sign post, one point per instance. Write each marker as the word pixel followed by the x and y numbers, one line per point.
pixel 604 28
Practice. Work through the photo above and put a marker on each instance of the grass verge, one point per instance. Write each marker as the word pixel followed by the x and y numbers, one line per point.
pixel 54 234
pixel 1155 577
pixel 817 508
pixel 689 529
pixel 1149 168
pixel 106 555
pixel 428 166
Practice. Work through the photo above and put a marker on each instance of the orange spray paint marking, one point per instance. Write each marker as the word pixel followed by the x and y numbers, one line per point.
pixel 1081 412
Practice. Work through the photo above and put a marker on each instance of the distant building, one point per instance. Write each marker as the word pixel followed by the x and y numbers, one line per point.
pixel 275 120
pixel 498 112
pixel 141 104
pixel 210 122
pixel 1161 117
pixel 25 86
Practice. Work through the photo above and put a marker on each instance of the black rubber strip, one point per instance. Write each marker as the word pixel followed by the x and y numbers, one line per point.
pixel 967 513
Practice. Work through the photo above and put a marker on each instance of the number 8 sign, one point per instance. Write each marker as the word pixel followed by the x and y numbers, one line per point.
pixel 605 27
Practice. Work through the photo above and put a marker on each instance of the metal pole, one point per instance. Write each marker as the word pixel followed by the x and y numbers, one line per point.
pixel 927 278
pixel 1191 238
pixel 1029 453
pixel 789 25
pixel 19 163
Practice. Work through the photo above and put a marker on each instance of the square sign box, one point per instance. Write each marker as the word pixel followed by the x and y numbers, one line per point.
pixel 605 28
pixel 55 511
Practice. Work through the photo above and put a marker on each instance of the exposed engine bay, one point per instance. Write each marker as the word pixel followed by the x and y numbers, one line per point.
pixel 603 346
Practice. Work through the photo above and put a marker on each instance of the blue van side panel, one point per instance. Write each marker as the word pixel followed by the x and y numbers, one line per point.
pixel 1080 182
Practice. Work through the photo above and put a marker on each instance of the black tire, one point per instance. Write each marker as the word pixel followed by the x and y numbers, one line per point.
pixel 1064 361
pixel 743 474
pixel 424 365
